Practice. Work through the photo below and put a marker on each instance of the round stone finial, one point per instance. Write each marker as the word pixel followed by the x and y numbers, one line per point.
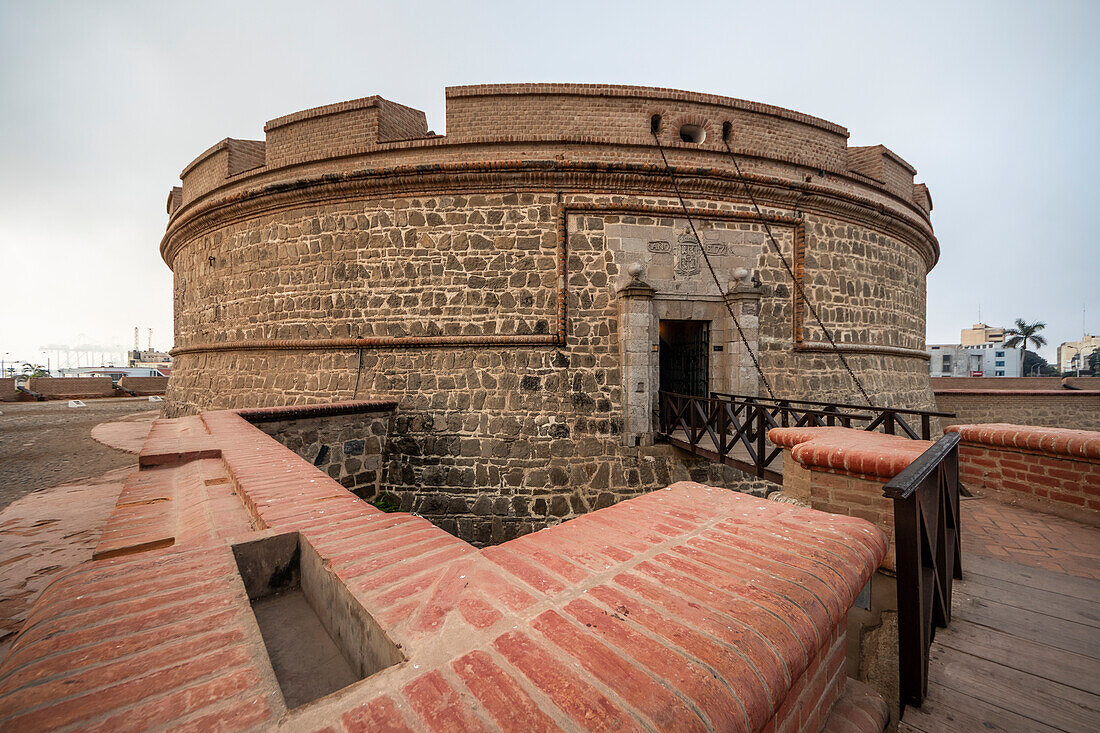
pixel 741 274
pixel 635 269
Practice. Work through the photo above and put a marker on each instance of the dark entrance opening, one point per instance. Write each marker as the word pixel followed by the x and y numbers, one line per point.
pixel 685 357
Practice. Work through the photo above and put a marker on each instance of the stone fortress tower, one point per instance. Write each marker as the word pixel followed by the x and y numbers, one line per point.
pixel 524 285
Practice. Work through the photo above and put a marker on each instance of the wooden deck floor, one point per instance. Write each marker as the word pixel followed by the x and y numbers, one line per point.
pixel 1022 653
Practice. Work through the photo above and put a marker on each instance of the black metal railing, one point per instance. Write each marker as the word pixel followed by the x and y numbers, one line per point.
pixel 733 429
pixel 927 546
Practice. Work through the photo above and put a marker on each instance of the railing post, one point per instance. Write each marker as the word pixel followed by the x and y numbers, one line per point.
pixel 888 423
pixel 723 428
pixel 925 427
pixel 913 659
pixel 761 436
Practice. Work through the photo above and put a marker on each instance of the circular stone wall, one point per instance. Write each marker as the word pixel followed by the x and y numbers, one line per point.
pixel 478 279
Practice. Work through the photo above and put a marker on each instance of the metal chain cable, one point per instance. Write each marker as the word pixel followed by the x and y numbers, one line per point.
pixel 787 267
pixel 710 267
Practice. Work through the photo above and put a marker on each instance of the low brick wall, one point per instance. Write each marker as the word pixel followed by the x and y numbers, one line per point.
pixel 143 386
pixel 688 608
pixel 60 388
pixel 7 389
pixel 1049 408
pixel 1015 383
pixel 1050 469
pixel 843 471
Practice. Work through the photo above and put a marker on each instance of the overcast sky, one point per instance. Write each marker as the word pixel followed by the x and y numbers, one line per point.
pixel 102 105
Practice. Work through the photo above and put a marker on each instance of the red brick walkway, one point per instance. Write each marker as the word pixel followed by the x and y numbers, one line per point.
pixel 994 529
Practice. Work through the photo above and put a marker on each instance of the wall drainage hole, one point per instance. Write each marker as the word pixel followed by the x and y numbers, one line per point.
pixel 316 635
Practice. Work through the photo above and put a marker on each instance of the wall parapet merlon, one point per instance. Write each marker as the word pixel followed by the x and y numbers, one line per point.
pixel 546 115
pixel 887 169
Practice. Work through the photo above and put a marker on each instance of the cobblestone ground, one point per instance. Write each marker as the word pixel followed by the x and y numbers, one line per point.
pixel 49 443
pixel 1013 534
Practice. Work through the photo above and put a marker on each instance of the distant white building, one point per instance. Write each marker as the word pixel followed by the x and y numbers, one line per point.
pixel 980 360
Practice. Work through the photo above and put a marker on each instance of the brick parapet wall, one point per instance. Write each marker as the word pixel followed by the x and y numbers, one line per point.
pixel 144 386
pixel 555 122
pixel 1050 469
pixel 7 389
pixel 679 609
pixel 1046 408
pixel 843 471
pixel 1015 383
pixel 72 387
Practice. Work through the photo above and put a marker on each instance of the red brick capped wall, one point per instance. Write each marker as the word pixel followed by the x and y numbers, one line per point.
pixel 678 610
pixel 1025 383
pixel 1050 469
pixel 7 389
pixel 842 471
pixel 72 387
pixel 144 385
pixel 1050 408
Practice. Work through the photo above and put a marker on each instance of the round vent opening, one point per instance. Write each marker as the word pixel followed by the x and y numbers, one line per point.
pixel 692 133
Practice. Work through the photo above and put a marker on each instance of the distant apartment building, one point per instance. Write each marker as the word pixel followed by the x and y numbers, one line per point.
pixel 1075 354
pixel 979 360
pixel 980 334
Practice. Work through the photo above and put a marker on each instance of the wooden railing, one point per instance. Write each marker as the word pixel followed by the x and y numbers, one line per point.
pixel 733 429
pixel 926 537
pixel 891 420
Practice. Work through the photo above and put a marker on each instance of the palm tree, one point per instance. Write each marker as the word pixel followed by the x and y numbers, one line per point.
pixel 1023 334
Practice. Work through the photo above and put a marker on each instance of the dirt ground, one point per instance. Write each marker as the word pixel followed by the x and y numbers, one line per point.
pixel 44 444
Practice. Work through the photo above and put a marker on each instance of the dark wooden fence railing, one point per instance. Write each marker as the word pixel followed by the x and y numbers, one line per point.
pixel 733 429
pixel 891 420
pixel 926 541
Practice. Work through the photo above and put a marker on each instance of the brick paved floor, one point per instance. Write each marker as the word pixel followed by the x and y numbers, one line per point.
pixel 1034 539
pixel 46 532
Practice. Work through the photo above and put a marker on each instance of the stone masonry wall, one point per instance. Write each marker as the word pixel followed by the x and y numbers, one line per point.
pixel 535 429
pixel 475 279
pixel 351 449
pixel 1055 409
